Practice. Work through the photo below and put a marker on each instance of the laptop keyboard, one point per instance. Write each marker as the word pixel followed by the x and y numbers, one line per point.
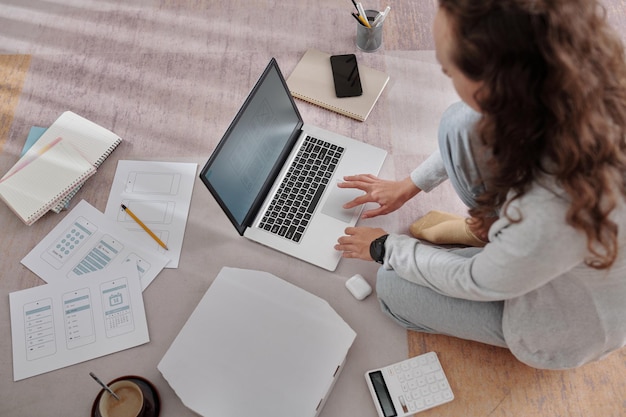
pixel 290 211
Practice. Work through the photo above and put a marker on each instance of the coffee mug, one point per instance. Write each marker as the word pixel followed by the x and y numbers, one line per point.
pixel 130 404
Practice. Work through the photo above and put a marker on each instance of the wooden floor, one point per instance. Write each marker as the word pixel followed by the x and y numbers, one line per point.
pixel 13 69
pixel 500 385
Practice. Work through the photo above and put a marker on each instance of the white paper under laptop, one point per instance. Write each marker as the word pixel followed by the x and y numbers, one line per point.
pixel 257 345
pixel 245 172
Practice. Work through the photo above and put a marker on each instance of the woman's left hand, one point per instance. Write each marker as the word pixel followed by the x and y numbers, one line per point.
pixel 356 243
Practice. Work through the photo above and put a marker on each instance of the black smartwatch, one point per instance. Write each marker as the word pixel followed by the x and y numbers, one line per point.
pixel 377 249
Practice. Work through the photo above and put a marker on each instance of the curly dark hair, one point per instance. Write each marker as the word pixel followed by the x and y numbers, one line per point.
pixel 553 102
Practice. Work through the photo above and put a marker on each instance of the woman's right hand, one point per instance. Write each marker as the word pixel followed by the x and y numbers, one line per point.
pixel 389 195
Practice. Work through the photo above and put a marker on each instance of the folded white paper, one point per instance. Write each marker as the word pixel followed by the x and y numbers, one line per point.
pixel 257 345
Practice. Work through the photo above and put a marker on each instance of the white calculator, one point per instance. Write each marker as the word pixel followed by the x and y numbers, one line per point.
pixel 409 386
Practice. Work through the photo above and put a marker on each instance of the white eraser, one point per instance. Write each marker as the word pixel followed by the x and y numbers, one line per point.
pixel 358 287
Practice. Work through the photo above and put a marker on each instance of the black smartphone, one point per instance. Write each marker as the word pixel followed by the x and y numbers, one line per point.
pixel 346 75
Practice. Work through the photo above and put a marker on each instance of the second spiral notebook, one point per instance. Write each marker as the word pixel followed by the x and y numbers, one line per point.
pixel 312 81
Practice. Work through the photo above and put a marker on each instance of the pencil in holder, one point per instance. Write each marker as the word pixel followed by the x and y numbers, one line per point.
pixel 369 39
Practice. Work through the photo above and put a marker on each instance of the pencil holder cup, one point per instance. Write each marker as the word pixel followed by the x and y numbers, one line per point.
pixel 369 39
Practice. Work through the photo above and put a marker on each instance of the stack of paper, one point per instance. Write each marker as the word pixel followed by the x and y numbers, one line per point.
pixel 92 304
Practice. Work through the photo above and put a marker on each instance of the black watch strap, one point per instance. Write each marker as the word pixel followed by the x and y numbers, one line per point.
pixel 377 249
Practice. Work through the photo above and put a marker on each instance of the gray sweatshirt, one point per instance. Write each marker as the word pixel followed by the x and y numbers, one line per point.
pixel 558 313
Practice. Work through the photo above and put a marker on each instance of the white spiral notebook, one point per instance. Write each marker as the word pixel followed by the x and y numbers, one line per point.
pixel 55 166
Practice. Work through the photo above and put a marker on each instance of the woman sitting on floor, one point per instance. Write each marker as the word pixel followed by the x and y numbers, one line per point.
pixel 537 151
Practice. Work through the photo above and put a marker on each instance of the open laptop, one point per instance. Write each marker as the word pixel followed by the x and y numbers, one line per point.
pixel 262 154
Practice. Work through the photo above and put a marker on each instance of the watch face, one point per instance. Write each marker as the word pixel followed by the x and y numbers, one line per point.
pixel 377 249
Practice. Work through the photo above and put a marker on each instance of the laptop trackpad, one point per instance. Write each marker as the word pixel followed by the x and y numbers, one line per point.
pixel 337 198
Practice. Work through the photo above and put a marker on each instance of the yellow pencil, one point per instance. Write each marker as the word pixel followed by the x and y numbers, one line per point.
pixel 364 20
pixel 144 227
pixel 363 15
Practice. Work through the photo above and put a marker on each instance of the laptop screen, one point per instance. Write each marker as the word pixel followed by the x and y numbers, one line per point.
pixel 245 163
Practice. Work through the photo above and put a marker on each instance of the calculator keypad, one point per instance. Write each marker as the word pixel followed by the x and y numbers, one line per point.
pixel 415 384
pixel 423 383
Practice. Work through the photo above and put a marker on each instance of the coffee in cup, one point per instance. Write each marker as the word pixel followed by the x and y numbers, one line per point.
pixel 130 403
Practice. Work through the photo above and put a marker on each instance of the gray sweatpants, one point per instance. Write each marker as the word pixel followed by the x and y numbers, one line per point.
pixel 419 308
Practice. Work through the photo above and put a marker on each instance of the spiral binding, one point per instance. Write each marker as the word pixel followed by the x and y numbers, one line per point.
pixel 65 200
pixel 327 106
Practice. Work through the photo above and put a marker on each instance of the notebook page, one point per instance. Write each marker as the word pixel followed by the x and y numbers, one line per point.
pixel 33 189
pixel 92 141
